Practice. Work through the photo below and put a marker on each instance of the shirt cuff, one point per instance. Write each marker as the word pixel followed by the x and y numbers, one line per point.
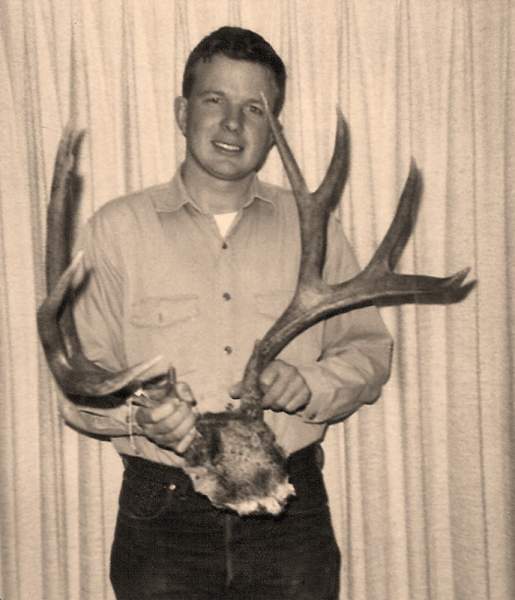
pixel 112 422
pixel 334 398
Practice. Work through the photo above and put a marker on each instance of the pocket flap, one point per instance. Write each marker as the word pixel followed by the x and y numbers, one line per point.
pixel 164 311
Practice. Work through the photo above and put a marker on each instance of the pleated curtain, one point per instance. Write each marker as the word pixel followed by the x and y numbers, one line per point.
pixel 422 483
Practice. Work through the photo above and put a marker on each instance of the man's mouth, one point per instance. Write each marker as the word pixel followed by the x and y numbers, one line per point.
pixel 226 147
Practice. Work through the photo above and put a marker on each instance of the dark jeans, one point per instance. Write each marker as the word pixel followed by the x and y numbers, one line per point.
pixel 172 544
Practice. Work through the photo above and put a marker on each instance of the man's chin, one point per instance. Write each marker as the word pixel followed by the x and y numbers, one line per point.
pixel 231 174
pixel 229 170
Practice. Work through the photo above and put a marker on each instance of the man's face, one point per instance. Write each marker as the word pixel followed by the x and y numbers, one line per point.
pixel 223 120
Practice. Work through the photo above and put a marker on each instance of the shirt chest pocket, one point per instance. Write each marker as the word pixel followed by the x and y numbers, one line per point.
pixel 307 346
pixel 166 326
pixel 165 311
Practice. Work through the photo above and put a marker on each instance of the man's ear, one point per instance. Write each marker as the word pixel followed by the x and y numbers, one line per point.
pixel 181 113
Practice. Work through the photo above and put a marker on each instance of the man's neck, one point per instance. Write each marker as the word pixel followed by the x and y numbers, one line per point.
pixel 213 195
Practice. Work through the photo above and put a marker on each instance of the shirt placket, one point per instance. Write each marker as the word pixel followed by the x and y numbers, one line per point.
pixel 227 349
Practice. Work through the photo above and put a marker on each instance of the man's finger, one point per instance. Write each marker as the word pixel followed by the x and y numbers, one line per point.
pixel 170 433
pixel 151 415
pixel 183 445
pixel 298 402
pixel 173 423
pixel 276 391
pixel 269 376
pixel 289 395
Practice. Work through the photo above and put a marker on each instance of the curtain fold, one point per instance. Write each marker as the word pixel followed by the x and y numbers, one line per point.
pixel 422 483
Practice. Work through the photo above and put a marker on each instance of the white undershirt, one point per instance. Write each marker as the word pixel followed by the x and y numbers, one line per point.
pixel 224 221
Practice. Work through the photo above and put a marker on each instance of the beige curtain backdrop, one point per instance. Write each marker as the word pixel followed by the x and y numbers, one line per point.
pixel 421 483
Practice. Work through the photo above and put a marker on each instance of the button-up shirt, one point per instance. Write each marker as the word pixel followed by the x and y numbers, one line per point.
pixel 163 281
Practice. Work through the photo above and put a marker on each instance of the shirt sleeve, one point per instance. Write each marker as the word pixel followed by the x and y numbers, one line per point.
pixel 97 314
pixel 108 422
pixel 357 348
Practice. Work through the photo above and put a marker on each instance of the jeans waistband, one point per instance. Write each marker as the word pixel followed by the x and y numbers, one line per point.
pixel 310 456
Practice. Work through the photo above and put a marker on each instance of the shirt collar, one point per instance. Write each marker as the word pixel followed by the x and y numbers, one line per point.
pixel 177 195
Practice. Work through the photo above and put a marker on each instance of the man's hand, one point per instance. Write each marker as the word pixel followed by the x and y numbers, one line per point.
pixel 284 388
pixel 172 422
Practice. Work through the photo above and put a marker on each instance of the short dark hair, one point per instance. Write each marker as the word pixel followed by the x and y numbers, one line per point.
pixel 238 44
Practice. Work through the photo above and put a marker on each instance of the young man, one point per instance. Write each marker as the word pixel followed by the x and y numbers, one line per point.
pixel 195 271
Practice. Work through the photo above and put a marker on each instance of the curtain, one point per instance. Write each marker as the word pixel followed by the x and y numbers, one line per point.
pixel 421 484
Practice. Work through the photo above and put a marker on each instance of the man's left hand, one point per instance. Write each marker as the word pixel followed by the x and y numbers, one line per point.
pixel 284 387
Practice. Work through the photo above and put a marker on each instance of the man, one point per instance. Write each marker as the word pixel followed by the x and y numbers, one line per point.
pixel 195 271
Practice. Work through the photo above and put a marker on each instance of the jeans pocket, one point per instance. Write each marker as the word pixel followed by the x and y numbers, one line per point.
pixel 142 498
pixel 310 491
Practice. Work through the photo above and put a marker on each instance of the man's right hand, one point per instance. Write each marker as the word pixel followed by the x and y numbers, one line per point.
pixel 172 422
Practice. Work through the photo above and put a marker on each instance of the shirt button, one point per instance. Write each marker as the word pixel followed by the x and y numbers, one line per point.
pixel 228 350
pixel 226 296
pixel 224 246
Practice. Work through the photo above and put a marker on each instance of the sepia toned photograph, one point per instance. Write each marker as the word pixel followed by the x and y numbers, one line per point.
pixel 257 309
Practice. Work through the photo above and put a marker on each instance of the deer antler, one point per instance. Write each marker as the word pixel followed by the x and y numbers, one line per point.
pixel 76 375
pixel 314 299
pixel 234 460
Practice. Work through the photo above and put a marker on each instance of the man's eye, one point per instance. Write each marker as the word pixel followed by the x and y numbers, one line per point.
pixel 213 99
pixel 256 110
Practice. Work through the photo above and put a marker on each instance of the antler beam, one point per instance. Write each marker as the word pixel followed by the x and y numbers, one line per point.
pixel 76 375
pixel 314 299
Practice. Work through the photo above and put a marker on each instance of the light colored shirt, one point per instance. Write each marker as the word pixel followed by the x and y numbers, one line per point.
pixel 165 282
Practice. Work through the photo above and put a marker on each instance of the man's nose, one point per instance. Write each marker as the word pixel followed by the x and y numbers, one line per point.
pixel 233 118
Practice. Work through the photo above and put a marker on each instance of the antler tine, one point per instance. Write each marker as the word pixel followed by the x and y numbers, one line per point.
pixel 333 183
pixel 76 375
pixel 314 209
pixel 314 299
pixel 62 206
pixel 382 282
pixel 295 176
pixel 402 225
